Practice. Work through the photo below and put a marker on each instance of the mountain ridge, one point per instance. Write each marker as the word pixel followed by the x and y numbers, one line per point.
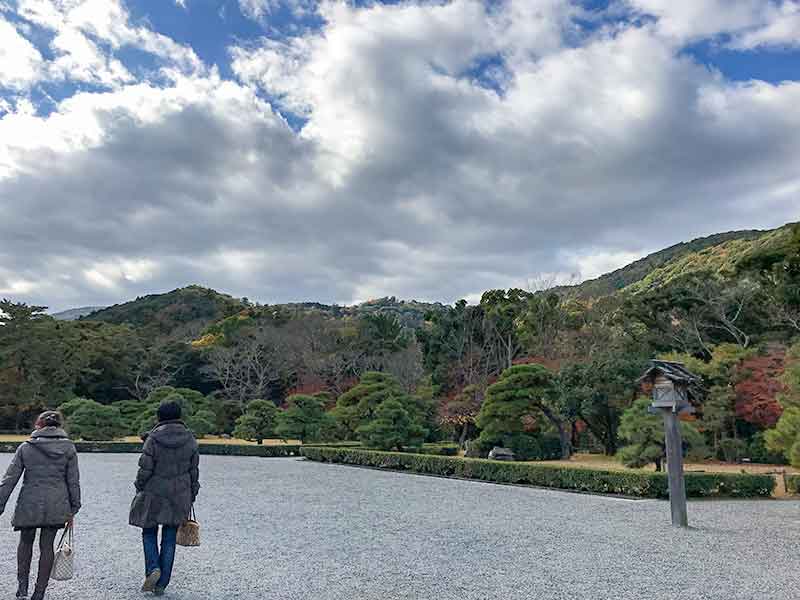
pixel 721 253
pixel 619 279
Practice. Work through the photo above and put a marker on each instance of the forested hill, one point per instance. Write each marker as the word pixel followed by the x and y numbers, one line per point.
pixel 193 308
pixel 637 271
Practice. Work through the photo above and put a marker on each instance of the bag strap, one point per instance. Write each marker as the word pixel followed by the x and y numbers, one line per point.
pixel 68 535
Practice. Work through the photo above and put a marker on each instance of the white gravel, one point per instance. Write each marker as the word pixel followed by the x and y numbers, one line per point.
pixel 287 529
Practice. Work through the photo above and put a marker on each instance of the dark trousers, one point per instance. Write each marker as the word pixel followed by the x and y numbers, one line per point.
pixel 159 559
pixel 47 538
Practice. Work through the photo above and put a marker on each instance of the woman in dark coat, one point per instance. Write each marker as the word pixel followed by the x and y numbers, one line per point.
pixel 49 499
pixel 166 487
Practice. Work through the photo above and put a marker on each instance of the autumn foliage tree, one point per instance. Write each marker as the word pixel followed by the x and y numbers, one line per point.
pixel 758 387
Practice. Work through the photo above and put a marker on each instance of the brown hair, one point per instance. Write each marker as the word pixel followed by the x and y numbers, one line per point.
pixel 49 418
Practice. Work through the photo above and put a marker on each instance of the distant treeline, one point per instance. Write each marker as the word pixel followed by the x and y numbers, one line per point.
pixel 729 307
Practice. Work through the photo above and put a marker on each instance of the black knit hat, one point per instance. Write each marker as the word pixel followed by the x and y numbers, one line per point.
pixel 169 411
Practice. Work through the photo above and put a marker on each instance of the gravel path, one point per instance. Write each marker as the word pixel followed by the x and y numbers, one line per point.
pixel 278 529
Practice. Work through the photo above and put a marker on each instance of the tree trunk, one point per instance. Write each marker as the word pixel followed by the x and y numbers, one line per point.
pixel 610 444
pixel 600 436
pixel 565 436
pixel 658 465
pixel 463 439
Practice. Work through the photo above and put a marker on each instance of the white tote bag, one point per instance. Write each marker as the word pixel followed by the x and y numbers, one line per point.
pixel 64 563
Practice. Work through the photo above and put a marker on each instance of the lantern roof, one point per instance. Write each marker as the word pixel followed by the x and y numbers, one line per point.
pixel 675 372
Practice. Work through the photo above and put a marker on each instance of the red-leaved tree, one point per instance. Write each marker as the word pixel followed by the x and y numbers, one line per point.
pixel 759 384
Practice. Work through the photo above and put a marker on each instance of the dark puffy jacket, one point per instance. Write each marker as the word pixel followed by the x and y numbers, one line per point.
pixel 51 491
pixel 168 478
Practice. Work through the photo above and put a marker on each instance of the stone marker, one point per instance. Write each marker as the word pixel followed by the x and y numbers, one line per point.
pixel 498 453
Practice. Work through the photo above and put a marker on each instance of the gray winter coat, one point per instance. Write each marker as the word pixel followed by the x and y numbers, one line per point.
pixel 168 479
pixel 51 491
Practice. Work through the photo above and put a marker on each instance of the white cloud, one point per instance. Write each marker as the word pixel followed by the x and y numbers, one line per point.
pixel 750 23
pixel 80 59
pixel 111 274
pixel 686 19
pixel 83 121
pixel 594 263
pixel 260 10
pixel 781 28
pixel 20 62
pixel 87 32
pixel 411 177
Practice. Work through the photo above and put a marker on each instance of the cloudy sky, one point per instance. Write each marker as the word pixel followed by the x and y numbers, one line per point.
pixel 339 150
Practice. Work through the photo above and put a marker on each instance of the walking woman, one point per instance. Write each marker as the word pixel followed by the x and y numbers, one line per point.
pixel 166 487
pixel 50 496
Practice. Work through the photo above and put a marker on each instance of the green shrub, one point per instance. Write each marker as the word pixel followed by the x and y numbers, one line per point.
pixel 759 453
pixel 201 423
pixel 263 451
pixel 536 447
pixel 70 407
pixel 392 427
pixel 733 449
pixel 131 411
pixel 258 421
pixel 304 419
pixel 644 433
pixel 793 484
pixel 94 421
pixel 630 483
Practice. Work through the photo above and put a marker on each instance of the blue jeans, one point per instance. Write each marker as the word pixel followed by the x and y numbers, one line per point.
pixel 153 559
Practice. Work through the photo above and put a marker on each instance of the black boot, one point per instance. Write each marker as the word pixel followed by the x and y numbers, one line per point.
pixel 37 595
pixel 22 589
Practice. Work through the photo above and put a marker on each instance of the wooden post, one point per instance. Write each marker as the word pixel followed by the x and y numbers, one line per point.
pixel 673 386
pixel 677 486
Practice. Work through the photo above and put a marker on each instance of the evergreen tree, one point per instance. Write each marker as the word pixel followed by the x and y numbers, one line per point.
pixel 357 407
pixel 304 419
pixel 521 394
pixel 644 433
pixel 785 438
pixel 392 428
pixel 258 422
pixel 94 421
pixel 201 423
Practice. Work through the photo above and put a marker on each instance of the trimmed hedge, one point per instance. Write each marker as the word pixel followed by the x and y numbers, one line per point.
pixel 206 449
pixel 436 449
pixel 629 483
pixel 242 450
